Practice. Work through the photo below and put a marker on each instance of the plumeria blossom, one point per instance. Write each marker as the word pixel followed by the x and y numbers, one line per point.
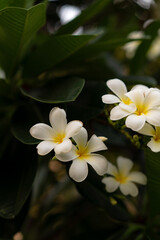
pixel 154 132
pixel 145 108
pixel 57 136
pixel 119 89
pixel 84 153
pixel 123 178
pixel 138 106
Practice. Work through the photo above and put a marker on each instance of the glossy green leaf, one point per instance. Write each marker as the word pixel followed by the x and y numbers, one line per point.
pixel 17 173
pixel 153 175
pixel 16 31
pixel 59 91
pixel 53 51
pixel 94 9
pixel 13 3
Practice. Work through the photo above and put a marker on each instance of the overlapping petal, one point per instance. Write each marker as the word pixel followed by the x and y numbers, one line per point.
pixel 78 170
pixel 124 165
pixel 129 188
pixel 111 184
pixel 65 146
pixel 81 138
pixel 68 156
pixel 73 128
pixel 147 130
pixel 154 145
pixel 152 99
pixel 118 113
pixel 42 131
pixel 112 170
pixel 95 144
pixel 57 117
pixel 136 96
pixel 45 147
pixel 117 86
pixel 98 162
pixel 135 122
pixel 110 99
pixel 137 177
pixel 153 117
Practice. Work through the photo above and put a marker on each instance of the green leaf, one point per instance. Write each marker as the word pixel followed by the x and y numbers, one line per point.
pixel 94 9
pixel 17 173
pixel 59 91
pixel 13 3
pixel 52 52
pixel 16 31
pixel 153 175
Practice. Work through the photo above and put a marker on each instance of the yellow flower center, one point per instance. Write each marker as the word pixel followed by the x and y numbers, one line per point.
pixel 141 109
pixel 82 152
pixel 120 178
pixel 126 100
pixel 59 138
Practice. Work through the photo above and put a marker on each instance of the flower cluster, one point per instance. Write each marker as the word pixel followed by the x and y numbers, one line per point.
pixel 59 137
pixel 122 177
pixel 140 107
pixel 70 143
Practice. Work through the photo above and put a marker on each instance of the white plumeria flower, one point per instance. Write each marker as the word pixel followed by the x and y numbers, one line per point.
pixel 83 153
pixel 57 136
pixel 154 143
pixel 119 89
pixel 145 108
pixel 139 105
pixel 123 178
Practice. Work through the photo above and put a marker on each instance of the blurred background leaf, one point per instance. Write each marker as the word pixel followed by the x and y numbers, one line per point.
pixel 17 30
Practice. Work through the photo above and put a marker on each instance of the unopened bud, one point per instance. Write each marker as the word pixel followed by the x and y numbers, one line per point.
pixel 103 138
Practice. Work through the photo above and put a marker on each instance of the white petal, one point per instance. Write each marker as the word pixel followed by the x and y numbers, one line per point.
pixel 98 162
pixel 111 184
pixel 42 131
pixel 152 98
pixel 147 130
pixel 65 146
pixel 124 165
pixel 118 113
pixel 153 117
pixel 45 147
pixel 81 138
pixel 67 156
pixel 58 119
pixel 110 99
pixel 136 96
pixel 95 144
pixel 141 87
pixel 135 122
pixel 137 177
pixel 112 170
pixel 117 86
pixel 78 170
pixel 73 128
pixel 154 145
pixel 129 188
pixel 131 108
